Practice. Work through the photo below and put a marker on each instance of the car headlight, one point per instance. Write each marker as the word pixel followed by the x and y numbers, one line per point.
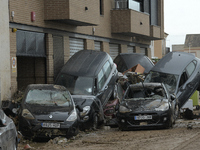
pixel 85 111
pixel 123 109
pixel 162 107
pixel 73 116
pixel 26 114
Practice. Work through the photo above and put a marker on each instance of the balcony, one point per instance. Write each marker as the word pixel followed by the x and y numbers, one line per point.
pixel 74 12
pixel 133 18
pixel 130 22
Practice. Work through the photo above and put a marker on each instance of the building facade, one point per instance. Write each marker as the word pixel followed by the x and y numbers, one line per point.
pixel 44 34
pixel 191 45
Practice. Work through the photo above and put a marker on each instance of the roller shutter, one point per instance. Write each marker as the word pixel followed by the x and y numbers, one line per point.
pixel 97 45
pixel 114 50
pixel 143 51
pixel 131 49
pixel 75 45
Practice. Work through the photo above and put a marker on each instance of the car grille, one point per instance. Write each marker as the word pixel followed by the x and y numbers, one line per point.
pixel 51 121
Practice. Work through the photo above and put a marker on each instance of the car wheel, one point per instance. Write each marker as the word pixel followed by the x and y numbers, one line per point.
pixel 176 113
pixel 170 124
pixel 95 122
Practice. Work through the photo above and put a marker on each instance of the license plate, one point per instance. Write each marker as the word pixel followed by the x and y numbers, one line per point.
pixel 144 117
pixel 50 125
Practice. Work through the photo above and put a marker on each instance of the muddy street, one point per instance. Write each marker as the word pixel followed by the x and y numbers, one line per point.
pixel 184 135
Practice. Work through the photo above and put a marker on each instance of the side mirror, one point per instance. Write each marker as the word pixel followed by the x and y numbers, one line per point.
pixel 173 97
pixel 2 122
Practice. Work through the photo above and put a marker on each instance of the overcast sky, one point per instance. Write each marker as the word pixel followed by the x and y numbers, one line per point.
pixel 181 17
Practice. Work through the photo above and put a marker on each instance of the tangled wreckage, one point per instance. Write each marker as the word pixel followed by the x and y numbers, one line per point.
pixel 141 96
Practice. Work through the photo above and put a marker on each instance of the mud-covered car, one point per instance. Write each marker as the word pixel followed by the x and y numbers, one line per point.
pixel 147 105
pixel 47 111
pixel 125 61
pixel 90 76
pixel 8 133
pixel 180 72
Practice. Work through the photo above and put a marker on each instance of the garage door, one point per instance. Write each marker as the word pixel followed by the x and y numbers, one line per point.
pixel 75 45
pixel 97 45
pixel 58 53
pixel 114 50
pixel 31 58
pixel 131 49
pixel 143 51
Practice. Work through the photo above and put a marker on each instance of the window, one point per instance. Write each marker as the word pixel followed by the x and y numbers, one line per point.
pixel 107 69
pixel 101 80
pixel 190 68
pixel 101 7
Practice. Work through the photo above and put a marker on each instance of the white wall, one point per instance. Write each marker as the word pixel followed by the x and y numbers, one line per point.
pixel 5 73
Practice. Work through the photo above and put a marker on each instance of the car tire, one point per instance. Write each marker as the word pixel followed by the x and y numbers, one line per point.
pixel 95 122
pixel 176 113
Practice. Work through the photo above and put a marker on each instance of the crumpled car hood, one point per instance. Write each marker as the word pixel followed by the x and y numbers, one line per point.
pixel 145 105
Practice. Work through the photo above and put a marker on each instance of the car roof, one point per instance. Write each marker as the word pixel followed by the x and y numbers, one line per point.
pixel 85 63
pixel 132 59
pixel 46 87
pixel 173 62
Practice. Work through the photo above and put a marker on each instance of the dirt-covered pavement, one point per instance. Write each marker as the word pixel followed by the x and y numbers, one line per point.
pixel 185 135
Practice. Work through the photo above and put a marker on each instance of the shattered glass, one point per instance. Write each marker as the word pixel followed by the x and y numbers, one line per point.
pixel 49 97
pixel 169 80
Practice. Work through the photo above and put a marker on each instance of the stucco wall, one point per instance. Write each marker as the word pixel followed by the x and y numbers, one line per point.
pixel 5 67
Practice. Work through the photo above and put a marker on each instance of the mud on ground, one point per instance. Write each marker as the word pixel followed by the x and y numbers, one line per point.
pixel 183 136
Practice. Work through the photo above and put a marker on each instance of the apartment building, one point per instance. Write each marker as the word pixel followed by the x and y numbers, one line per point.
pixel 44 34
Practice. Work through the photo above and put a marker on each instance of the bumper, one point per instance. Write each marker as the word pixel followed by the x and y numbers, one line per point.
pixel 30 128
pixel 159 120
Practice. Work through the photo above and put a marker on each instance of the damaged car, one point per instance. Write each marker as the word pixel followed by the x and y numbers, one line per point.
pixel 8 133
pixel 180 72
pixel 147 105
pixel 90 76
pixel 125 61
pixel 47 111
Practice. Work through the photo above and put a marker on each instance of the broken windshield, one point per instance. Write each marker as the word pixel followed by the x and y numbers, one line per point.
pixel 140 93
pixel 77 85
pixel 49 97
pixel 169 80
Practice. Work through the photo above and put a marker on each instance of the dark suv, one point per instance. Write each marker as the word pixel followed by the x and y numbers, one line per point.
pixel 90 76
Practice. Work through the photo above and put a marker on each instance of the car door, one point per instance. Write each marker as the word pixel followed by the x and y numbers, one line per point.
pixel 187 83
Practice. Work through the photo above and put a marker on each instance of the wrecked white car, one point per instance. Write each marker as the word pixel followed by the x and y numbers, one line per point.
pixel 8 133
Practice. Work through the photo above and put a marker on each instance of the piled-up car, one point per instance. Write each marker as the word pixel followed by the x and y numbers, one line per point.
pixel 90 76
pixel 180 72
pixel 47 111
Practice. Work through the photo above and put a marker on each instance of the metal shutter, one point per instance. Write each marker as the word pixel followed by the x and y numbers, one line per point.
pixel 114 50
pixel 97 46
pixel 30 44
pixel 131 49
pixel 143 51
pixel 75 45
pixel 58 53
